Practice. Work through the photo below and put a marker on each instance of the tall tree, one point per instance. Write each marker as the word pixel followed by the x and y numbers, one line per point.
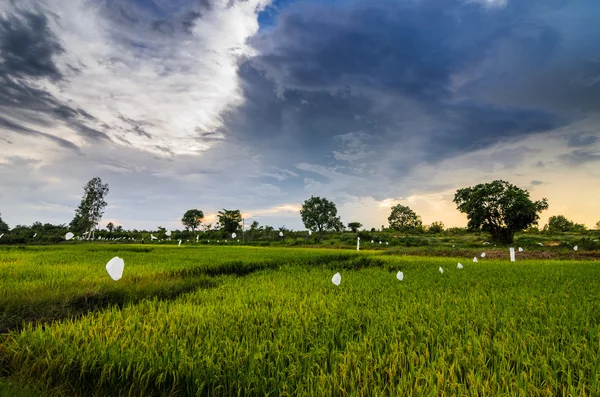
pixel 436 227
pixel 598 225
pixel 90 210
pixel 110 226
pixel 499 208
pixel 192 219
pixel 229 220
pixel 402 218
pixel 319 215
pixel 3 226
pixel 559 223
pixel 354 226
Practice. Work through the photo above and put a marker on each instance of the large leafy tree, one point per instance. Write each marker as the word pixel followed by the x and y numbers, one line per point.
pixel 192 219
pixel 559 223
pixel 499 208
pixel 598 225
pixel 402 218
pixel 90 210
pixel 3 226
pixel 354 226
pixel 229 220
pixel 319 215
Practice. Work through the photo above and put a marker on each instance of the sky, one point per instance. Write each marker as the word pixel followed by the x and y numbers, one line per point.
pixel 257 105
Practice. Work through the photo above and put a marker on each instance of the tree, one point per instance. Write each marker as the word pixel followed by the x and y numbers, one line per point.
pixel 354 226
pixel 403 218
pixel 320 214
pixel 192 219
pixel 229 220
pixel 436 227
pixel 499 208
pixel 4 227
pixel 598 225
pixel 91 208
pixel 559 223
pixel 110 226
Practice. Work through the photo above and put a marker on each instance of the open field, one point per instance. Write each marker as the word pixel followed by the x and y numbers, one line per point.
pixel 268 321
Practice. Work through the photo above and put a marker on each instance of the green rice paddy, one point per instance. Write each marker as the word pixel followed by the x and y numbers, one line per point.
pixel 240 321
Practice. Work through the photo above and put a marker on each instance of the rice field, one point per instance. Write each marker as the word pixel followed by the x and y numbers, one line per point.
pixel 239 321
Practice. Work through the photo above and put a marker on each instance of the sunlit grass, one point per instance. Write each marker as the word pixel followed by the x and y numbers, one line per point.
pixel 493 328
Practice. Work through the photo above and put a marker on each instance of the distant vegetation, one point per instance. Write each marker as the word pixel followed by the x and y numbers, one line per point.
pixel 497 211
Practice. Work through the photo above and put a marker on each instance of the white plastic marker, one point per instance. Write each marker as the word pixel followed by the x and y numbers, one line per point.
pixel 386 243
pixel 197 237
pixel 441 270
pixel 358 243
pixel 179 245
pixel 152 237
pixel 310 232
pixel 233 235
pixel 280 234
pixel 520 249
pixel 485 243
pixel 380 243
pixel 69 236
pixel 512 254
pixel 474 259
pixel 460 266
pixel 114 267
pixel 540 244
pixel 168 233
pixel 576 248
pixel 372 242
pixel 336 279
pixel 483 254
pixel 34 234
pixel 400 276
pixel 453 246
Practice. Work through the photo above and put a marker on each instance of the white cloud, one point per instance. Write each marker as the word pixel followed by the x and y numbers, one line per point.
pixel 172 87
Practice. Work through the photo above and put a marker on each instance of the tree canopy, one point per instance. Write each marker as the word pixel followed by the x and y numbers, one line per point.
pixel 319 215
pixel 3 226
pixel 91 208
pixel 192 219
pixel 229 220
pixel 499 208
pixel 354 226
pixel 402 218
pixel 436 227
pixel 559 223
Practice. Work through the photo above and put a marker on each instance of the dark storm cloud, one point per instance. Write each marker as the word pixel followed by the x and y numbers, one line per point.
pixel 15 127
pixel 136 126
pixel 28 47
pixel 396 71
pixel 581 140
pixel 582 156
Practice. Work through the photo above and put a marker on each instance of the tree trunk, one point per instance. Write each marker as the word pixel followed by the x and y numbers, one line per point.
pixel 503 235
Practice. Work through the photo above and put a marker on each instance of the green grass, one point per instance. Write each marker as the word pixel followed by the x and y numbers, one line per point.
pixel 272 323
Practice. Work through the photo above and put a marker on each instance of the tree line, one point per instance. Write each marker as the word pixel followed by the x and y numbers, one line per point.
pixel 498 208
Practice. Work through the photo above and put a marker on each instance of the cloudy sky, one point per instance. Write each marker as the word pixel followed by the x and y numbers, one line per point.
pixel 258 104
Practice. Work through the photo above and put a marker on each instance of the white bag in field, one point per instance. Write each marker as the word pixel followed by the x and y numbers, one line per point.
pixel 115 267
pixel 400 276
pixel 336 279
